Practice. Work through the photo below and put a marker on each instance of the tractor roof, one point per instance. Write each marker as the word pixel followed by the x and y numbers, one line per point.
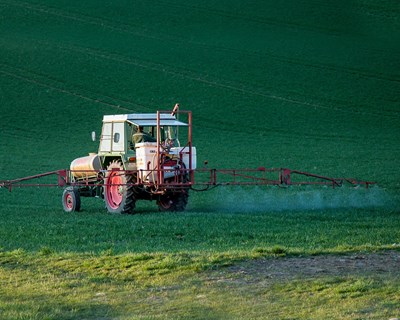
pixel 145 119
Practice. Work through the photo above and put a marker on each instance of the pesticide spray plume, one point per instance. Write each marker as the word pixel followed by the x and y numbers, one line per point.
pixel 258 199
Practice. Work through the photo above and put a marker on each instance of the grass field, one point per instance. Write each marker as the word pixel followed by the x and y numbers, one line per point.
pixel 308 84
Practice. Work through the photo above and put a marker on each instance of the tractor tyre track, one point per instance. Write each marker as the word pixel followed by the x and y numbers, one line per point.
pixel 59 86
pixel 241 87
pixel 111 24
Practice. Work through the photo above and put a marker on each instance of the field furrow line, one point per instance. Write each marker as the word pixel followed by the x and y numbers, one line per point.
pixel 156 35
pixel 357 72
pixel 52 87
pixel 333 30
pixel 13 133
pixel 163 68
pixel 185 74
pixel 291 133
pixel 220 83
pixel 221 13
pixel 102 22
pixel 56 86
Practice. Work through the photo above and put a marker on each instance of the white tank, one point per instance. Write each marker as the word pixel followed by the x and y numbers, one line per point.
pixel 146 155
pixel 146 160
pixel 86 167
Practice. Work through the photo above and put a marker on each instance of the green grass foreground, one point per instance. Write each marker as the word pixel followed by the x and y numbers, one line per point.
pixel 93 265
pixel 212 223
pixel 46 285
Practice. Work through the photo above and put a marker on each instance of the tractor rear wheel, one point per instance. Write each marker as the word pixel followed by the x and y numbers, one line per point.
pixel 118 189
pixel 173 201
pixel 71 199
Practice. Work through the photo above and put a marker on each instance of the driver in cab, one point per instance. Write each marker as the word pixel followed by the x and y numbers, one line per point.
pixel 141 136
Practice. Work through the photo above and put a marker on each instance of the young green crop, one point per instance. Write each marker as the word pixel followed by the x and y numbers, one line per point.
pixel 310 86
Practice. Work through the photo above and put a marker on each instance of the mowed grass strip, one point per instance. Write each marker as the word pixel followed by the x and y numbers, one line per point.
pixel 132 286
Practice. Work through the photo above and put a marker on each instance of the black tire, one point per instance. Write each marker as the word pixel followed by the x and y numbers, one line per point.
pixel 71 200
pixel 119 189
pixel 173 201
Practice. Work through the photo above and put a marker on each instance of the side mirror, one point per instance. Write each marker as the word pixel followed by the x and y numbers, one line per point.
pixel 93 136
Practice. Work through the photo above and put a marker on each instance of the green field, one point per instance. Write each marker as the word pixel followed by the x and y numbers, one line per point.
pixel 309 85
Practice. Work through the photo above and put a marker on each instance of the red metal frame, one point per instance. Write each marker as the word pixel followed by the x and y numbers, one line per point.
pixel 204 177
pixel 62 180
pixel 189 144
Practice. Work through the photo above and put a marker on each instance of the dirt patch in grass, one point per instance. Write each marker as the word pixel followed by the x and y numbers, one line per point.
pixel 288 268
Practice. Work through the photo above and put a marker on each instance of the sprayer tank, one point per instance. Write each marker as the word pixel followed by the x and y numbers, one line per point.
pixel 86 167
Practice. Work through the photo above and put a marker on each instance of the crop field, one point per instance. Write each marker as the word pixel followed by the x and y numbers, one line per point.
pixel 310 85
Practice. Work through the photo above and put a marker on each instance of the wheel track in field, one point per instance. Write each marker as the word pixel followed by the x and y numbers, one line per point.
pixel 42 81
pixel 82 18
pixel 290 133
pixel 109 24
pixel 32 78
pixel 221 83
pixel 243 17
pixel 20 132
pixel 186 74
pixel 334 30
pixel 56 85
pixel 182 73
pixel 100 21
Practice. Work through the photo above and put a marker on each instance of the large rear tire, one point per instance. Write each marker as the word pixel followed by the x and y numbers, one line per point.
pixel 118 189
pixel 173 201
pixel 71 200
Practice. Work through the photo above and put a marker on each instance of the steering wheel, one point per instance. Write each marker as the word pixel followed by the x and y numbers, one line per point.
pixel 168 143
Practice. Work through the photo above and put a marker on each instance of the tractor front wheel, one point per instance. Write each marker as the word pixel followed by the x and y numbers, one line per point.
pixel 71 199
pixel 118 189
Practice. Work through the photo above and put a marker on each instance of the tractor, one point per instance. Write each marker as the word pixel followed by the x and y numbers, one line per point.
pixel 140 157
